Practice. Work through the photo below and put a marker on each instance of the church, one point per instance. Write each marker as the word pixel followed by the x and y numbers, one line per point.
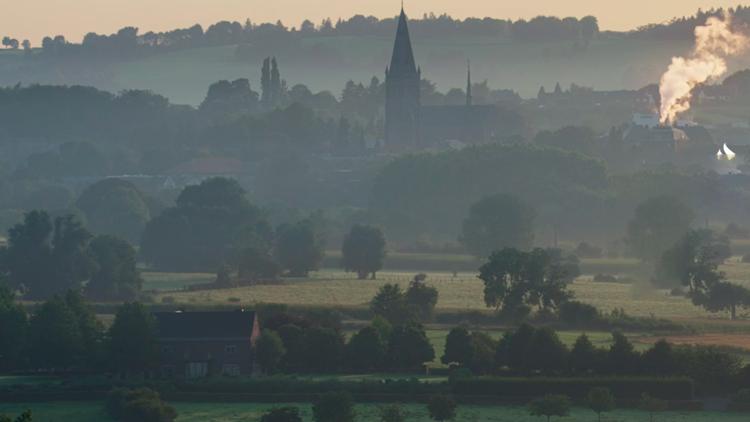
pixel 409 125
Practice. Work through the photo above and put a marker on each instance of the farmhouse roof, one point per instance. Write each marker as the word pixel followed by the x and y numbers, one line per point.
pixel 205 325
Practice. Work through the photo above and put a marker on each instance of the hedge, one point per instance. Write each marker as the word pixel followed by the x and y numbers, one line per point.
pixel 576 388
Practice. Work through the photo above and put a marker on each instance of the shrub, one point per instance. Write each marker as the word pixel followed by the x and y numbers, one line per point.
pixel 234 300
pixel 442 408
pixel 600 400
pixel 550 405
pixel 392 413
pixel 605 278
pixel 578 314
pixel 282 414
pixel 334 407
pixel 587 250
pixel 140 405
pixel 652 405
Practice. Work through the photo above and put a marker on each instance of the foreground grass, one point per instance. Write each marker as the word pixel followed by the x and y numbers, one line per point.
pixel 248 412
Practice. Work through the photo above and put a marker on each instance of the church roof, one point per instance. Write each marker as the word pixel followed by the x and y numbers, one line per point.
pixel 402 61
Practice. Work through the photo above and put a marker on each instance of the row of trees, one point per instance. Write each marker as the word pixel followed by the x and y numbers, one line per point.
pixel 530 350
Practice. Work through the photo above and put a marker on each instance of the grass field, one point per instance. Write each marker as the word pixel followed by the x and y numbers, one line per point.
pixel 241 412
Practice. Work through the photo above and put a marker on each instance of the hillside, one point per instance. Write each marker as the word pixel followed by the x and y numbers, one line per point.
pixel 326 63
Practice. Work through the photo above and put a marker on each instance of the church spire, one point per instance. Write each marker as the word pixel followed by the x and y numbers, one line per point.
pixel 402 61
pixel 469 99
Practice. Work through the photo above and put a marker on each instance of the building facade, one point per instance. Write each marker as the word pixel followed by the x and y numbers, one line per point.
pixel 202 344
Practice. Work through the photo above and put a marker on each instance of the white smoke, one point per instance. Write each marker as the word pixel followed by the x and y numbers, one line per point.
pixel 715 42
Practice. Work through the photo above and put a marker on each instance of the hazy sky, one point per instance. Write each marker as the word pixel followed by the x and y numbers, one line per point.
pixel 33 19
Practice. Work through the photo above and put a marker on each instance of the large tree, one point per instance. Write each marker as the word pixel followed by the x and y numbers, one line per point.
pixel 694 262
pixel 538 278
pixel 133 346
pixel 409 348
pixel 363 251
pixel 43 258
pixel 13 331
pixel 498 222
pixel 116 276
pixel 300 247
pixel 116 207
pixel 657 224
pixel 209 224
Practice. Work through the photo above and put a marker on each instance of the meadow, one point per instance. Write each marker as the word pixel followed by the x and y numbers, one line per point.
pixel 242 412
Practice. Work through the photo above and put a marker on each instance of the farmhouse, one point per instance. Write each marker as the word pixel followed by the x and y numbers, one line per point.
pixel 200 344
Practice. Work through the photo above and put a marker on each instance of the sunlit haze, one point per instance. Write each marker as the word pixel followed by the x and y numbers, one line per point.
pixel 34 19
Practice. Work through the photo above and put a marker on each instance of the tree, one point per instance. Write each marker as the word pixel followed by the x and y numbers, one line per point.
pixel 546 353
pixel 539 278
pixel 409 348
pixel 421 298
pixel 514 348
pixel 498 222
pixel 363 251
pixel 483 353
pixel 660 359
pixel 458 347
pixel 694 262
pixel 23 417
pixel 13 331
pixel 658 223
pixel 392 413
pixel 115 207
pixel 133 346
pixel 44 259
pixel 583 356
pixel 390 303
pixel 282 414
pixel 600 400
pixel 324 348
pixel 269 351
pixel 55 338
pixel 116 276
pixel 365 350
pixel 550 405
pixel 652 405
pixel 210 223
pixel 442 408
pixel 334 407
pixel 622 357
pixel 299 248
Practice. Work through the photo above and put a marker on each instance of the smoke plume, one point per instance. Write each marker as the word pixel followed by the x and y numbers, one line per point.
pixel 715 42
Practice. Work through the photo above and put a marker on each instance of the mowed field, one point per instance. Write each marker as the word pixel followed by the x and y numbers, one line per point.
pixel 240 412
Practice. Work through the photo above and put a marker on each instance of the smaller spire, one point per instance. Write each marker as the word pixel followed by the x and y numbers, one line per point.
pixel 469 99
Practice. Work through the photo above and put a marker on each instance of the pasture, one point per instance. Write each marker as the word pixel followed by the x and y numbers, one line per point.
pixel 247 412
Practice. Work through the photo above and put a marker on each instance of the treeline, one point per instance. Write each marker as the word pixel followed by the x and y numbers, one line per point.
pixel 128 43
pixel 683 28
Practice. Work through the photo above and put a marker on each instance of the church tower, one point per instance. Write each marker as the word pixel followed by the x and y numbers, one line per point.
pixel 402 101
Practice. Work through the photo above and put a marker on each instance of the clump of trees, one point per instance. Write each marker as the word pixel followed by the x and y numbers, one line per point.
pixel 693 262
pixel 658 223
pixel 45 257
pixel 398 307
pixel 515 279
pixel 138 405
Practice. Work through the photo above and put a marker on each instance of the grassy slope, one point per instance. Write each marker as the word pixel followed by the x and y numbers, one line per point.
pixel 242 412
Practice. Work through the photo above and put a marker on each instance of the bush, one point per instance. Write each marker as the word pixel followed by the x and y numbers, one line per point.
pixel 392 413
pixel 550 405
pixel 282 414
pixel 587 250
pixel 334 407
pixel 740 402
pixel 140 405
pixel 600 400
pixel 578 314
pixel 442 408
pixel 605 278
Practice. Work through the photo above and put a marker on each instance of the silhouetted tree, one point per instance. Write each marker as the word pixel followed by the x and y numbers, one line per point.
pixel 363 251
pixel 498 222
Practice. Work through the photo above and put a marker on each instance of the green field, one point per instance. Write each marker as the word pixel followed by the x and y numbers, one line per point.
pixel 235 412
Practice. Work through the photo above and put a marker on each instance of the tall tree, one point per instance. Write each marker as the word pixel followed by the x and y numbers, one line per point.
pixel 116 207
pixel 498 222
pixel 13 331
pixel 133 344
pixel 116 277
pixel 363 251
pixel 300 248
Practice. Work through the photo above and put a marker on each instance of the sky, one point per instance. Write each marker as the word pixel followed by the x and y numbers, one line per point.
pixel 33 19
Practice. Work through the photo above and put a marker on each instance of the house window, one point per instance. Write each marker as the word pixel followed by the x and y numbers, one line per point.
pixel 231 370
pixel 166 349
pixel 196 369
pixel 168 371
pixel 230 349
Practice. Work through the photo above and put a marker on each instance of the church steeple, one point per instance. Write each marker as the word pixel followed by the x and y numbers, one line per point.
pixel 469 99
pixel 402 60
